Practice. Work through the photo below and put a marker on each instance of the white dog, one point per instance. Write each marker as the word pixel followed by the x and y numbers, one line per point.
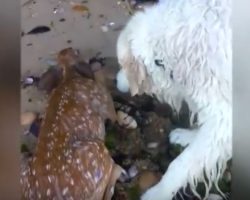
pixel 181 50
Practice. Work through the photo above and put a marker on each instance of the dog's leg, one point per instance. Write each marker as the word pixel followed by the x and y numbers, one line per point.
pixel 208 153
pixel 182 137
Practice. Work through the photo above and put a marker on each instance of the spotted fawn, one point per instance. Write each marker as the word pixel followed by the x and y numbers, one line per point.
pixel 71 160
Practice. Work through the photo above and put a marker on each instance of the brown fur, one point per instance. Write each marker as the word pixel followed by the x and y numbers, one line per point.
pixel 71 160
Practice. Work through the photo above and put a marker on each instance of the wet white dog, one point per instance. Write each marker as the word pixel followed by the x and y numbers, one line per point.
pixel 181 49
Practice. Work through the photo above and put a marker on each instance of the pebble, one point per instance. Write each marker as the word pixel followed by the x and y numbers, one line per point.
pixel 125 120
pixel 161 130
pixel 147 179
pixel 133 171
pixel 35 128
pixel 153 145
pixel 27 118
pixel 104 28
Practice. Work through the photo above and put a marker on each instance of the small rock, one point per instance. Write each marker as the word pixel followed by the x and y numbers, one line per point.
pixel 147 179
pixel 125 120
pixel 133 171
pixel 27 118
pixel 35 127
pixel 29 81
pixel 79 8
pixel 104 28
pixel 152 145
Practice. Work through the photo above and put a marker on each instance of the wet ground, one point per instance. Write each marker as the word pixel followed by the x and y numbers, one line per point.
pixel 139 140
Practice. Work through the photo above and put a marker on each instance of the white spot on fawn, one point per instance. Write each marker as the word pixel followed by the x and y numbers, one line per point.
pixel 48 167
pixel 48 192
pixel 65 190
pixel 71 181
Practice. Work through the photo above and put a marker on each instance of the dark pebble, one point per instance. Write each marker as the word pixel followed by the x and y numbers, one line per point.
pixel 39 30
pixel 24 148
pixel 35 127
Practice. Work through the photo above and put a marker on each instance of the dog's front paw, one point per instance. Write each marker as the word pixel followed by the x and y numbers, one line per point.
pixel 156 193
pixel 182 137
